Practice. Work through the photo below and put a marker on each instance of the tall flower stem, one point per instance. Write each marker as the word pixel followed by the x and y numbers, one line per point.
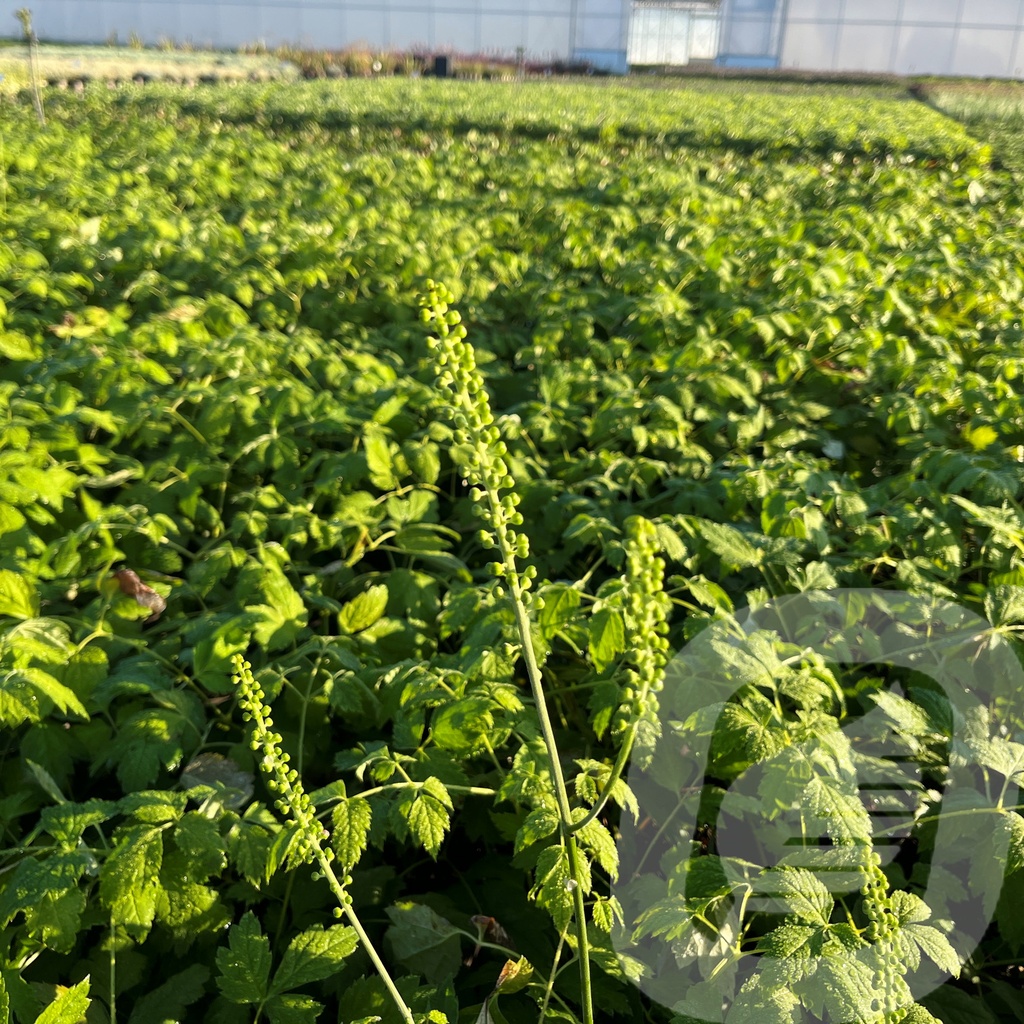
pixel 480 453
pixel 293 801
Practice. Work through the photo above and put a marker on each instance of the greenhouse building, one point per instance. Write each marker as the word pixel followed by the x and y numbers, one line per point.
pixel 980 38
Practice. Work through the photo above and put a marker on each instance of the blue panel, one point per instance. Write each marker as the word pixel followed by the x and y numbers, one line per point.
pixel 605 60
pixel 739 61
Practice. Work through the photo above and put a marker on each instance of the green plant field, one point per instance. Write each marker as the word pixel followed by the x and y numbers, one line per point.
pixel 716 351
pixel 993 112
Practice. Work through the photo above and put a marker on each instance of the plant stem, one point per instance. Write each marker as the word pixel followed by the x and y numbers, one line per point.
pixel 617 770
pixel 24 15
pixel 483 461
pixel 295 802
pixel 561 793
pixel 344 901
pixel 113 974
pixel 549 987
pixel 470 790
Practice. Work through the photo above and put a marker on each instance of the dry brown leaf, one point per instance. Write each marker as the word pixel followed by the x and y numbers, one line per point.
pixel 146 597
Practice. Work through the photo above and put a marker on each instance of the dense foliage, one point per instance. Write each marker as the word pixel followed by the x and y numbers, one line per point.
pixel 992 111
pixel 785 331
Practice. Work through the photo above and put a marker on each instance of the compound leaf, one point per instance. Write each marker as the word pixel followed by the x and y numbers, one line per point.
pixel 313 955
pixel 245 965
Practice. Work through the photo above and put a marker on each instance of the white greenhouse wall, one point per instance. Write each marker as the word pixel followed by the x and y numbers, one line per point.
pixel 983 38
pixel 976 38
pixel 751 32
pixel 595 29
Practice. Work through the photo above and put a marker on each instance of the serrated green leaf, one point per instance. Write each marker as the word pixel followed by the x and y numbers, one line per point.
pixel 1012 825
pixel 836 809
pixel 791 941
pixel 1004 523
pixel 670 542
pixel 249 845
pixel 1001 755
pixel 529 780
pixel 199 840
pixel 351 819
pixel 18 598
pixel 32 881
pixel 464 725
pixel 363 611
pixel 293 1009
pixel 908 907
pixel 598 842
pixel 803 893
pixel 62 697
pixel 539 825
pixel 129 878
pixel 426 812
pixel 245 965
pixel 1004 605
pixel 424 941
pixel 17 347
pixel 69 1007
pixel 554 887
pixel 841 988
pixel 188 908
pixel 709 594
pixel 757 734
pixel 313 955
pixel 29 694
pixel 379 461
pixel 285 849
pixel 763 1004
pixel 670 918
pixel 935 946
pixel 593 781
pixel 46 782
pixel 282 616
pixel 153 806
pixel 906 715
pixel 730 545
pixel 560 604
pixel 425 539
pixel 917 1014
pixel 607 637
pixel 606 912
pixel 56 918
pixel 152 739
pixel 425 462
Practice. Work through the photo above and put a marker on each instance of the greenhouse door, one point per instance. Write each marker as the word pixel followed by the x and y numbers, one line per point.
pixel 670 35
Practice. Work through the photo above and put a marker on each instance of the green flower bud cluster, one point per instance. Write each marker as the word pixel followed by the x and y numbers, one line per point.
pixel 479 450
pixel 892 1000
pixel 647 608
pixel 292 800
